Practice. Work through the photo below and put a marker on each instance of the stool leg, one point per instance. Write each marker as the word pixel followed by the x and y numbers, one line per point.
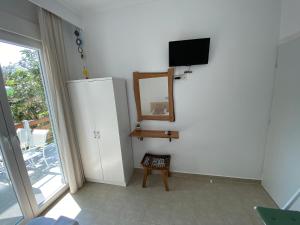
pixel 150 172
pixel 164 174
pixel 145 177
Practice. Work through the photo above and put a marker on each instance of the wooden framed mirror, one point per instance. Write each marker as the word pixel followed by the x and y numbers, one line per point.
pixel 154 95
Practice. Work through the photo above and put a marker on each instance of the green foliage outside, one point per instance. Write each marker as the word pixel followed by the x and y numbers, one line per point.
pixel 25 89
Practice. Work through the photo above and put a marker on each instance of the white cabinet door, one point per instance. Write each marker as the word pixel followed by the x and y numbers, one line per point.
pixel 105 117
pixel 85 127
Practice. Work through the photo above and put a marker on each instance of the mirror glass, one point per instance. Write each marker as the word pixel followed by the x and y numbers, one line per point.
pixel 154 96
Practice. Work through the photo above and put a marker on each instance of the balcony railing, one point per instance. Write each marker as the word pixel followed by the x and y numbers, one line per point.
pixel 43 123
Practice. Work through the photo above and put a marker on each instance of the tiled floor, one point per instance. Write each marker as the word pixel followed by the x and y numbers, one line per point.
pixel 192 200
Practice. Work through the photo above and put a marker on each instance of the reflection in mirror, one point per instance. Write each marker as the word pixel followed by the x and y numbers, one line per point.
pixel 154 96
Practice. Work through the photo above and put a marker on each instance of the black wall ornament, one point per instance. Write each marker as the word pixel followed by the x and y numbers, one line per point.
pixel 80 50
pixel 79 43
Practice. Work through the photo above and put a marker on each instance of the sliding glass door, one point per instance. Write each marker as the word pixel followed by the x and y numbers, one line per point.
pixel 15 207
pixel 27 118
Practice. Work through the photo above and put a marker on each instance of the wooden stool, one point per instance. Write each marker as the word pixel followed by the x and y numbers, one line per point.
pixel 156 162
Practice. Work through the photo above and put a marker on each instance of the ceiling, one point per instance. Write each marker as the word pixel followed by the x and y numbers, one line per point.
pixel 86 6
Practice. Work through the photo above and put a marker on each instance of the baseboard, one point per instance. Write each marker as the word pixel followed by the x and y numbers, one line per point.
pixel 210 178
pixel 123 184
pixel 267 193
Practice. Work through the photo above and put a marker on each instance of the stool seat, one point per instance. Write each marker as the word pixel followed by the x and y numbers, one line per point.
pixel 156 162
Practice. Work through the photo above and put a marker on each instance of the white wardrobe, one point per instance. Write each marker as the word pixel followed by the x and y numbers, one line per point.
pixel 102 123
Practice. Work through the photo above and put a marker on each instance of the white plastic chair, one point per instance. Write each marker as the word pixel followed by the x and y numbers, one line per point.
pixel 39 140
pixel 24 135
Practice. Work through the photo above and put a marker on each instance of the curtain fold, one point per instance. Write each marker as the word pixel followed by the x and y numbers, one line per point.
pixel 56 76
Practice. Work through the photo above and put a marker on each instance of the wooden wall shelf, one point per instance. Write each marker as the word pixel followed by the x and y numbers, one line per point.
pixel 141 134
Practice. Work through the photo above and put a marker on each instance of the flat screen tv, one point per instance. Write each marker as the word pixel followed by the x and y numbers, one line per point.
pixel 189 52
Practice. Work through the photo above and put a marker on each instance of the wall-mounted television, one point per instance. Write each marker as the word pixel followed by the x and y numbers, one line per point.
pixel 189 52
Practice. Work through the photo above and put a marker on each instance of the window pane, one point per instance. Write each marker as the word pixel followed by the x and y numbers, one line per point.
pixel 10 212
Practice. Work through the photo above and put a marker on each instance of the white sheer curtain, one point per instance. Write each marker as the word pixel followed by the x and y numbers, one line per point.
pixel 57 74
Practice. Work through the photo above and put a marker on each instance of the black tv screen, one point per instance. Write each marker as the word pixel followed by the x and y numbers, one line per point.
pixel 189 52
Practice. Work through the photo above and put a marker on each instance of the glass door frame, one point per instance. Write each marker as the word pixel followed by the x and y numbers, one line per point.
pixel 15 158
pixel 11 164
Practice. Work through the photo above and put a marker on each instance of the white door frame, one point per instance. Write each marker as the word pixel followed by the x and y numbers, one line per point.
pixel 15 157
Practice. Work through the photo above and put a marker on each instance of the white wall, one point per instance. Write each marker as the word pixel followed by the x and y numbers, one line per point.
pixel 58 8
pixel 222 109
pixel 281 169
pixel 20 8
pixel 290 19
pixel 75 64
pixel 19 17
pixel 296 205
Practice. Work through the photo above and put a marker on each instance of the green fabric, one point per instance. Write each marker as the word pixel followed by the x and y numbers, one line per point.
pixel 278 216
